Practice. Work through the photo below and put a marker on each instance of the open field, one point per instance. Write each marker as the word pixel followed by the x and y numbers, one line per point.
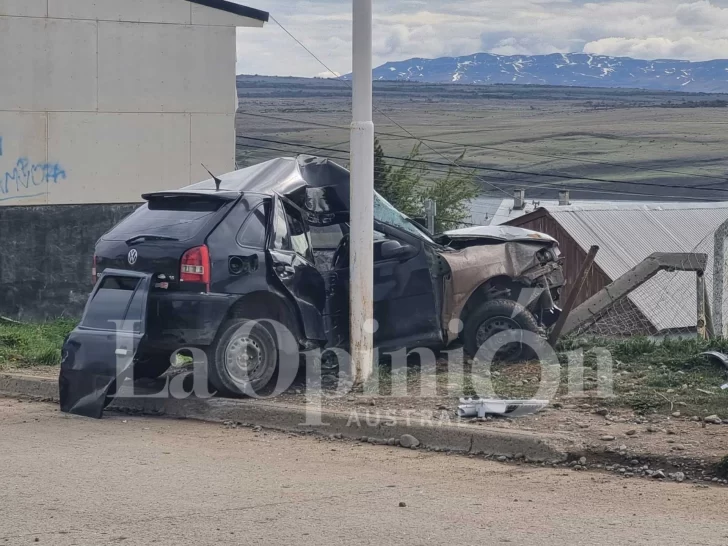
pixel 645 144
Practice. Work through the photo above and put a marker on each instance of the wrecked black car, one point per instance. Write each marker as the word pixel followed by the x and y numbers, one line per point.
pixel 191 266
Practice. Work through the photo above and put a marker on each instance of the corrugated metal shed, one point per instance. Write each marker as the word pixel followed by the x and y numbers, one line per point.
pixel 488 210
pixel 629 232
pixel 484 210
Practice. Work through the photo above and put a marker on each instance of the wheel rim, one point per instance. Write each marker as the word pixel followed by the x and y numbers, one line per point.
pixel 244 359
pixel 495 325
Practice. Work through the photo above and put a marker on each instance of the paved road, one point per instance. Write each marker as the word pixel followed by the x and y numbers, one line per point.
pixel 66 480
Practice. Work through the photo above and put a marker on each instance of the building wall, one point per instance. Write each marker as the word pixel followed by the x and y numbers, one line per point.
pixel 47 254
pixel 102 100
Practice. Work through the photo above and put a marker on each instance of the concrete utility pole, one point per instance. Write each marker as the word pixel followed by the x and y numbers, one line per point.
pixel 430 213
pixel 362 195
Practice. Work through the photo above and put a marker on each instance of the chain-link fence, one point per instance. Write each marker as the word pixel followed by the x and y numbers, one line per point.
pixel 667 304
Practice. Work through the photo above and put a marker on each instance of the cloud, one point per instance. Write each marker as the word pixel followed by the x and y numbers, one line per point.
pixel 656 47
pixel 701 15
pixel 685 29
pixel 524 46
pixel 328 74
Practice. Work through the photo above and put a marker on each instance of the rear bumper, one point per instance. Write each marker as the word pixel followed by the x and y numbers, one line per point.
pixel 179 319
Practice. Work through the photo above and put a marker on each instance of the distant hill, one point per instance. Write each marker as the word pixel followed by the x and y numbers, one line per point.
pixel 570 69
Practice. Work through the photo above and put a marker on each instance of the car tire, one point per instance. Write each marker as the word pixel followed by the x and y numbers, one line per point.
pixel 233 352
pixel 493 317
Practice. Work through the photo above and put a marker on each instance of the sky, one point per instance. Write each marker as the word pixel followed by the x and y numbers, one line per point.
pixel 695 30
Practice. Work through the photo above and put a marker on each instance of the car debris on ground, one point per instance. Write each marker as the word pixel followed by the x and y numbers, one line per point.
pixel 720 358
pixel 480 407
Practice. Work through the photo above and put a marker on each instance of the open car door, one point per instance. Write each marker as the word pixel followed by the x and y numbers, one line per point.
pixel 100 351
pixel 291 254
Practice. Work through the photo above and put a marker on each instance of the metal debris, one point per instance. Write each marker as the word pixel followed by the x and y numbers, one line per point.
pixel 718 357
pixel 480 407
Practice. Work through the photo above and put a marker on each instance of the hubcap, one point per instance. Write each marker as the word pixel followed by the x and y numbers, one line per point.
pixel 496 325
pixel 244 359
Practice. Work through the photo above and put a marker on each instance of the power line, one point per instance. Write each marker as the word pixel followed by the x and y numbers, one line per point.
pixel 499 170
pixel 340 158
pixel 447 169
pixel 453 162
pixel 723 179
pixel 377 109
pixel 520 183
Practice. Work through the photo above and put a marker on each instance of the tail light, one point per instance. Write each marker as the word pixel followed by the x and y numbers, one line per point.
pixel 94 276
pixel 196 266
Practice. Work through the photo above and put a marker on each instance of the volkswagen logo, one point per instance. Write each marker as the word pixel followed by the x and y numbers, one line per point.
pixel 132 257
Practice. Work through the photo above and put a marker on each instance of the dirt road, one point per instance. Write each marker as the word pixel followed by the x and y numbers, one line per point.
pixel 66 480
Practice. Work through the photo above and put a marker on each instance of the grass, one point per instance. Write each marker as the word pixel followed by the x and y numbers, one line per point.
pixel 658 376
pixel 648 376
pixel 35 344
pixel 560 123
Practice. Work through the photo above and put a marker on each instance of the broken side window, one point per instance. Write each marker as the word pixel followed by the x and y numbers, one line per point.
pixel 300 240
pixel 282 240
pixel 387 214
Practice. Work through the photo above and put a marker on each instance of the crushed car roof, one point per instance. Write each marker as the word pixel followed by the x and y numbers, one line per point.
pixel 317 185
pixel 499 233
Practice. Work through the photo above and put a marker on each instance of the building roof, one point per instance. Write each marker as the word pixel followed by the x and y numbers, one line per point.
pixel 488 210
pixel 232 7
pixel 629 232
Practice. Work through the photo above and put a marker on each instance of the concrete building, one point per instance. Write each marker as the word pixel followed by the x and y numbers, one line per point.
pixel 102 100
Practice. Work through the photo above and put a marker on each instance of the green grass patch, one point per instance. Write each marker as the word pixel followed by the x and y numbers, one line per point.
pixel 647 376
pixel 34 344
pixel 659 376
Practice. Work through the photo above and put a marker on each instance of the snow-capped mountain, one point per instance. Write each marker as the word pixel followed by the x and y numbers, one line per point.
pixel 573 69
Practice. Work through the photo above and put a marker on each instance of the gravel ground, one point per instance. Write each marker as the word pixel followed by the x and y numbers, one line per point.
pixel 130 480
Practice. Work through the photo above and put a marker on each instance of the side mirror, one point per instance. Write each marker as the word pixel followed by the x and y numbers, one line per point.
pixel 394 250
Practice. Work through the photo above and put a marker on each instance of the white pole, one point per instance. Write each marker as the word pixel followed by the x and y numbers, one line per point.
pixel 362 195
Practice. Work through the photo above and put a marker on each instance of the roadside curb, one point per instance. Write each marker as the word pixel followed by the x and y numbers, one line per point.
pixel 378 429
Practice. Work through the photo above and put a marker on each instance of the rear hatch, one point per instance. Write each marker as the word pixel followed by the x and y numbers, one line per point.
pixel 154 238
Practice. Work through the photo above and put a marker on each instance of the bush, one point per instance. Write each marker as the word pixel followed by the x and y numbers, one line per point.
pixel 409 185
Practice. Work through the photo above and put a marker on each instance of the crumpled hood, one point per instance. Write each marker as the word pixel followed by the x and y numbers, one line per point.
pixel 499 233
pixel 475 265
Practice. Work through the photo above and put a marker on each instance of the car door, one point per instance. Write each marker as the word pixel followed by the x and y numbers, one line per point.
pixel 292 261
pixel 405 296
pixel 405 299
pixel 101 349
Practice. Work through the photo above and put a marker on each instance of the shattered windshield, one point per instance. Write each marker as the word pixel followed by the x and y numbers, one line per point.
pixel 384 212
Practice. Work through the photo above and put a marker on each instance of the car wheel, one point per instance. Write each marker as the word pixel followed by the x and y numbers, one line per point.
pixel 243 358
pixel 494 317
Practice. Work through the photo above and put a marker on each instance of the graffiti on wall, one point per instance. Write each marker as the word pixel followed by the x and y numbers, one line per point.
pixel 25 179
